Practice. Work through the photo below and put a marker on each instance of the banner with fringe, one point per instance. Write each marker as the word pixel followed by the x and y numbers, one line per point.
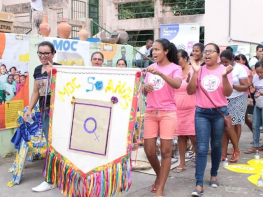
pixel 81 172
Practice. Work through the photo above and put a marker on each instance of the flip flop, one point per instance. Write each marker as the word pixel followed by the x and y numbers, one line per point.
pixel 178 170
pixel 250 151
pixel 154 188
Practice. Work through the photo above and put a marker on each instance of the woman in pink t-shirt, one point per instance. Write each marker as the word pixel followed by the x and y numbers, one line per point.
pixel 211 79
pixel 162 78
pixel 185 111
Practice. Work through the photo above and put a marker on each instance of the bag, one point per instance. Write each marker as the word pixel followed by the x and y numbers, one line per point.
pixel 227 118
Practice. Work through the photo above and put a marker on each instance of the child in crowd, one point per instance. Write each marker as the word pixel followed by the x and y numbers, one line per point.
pixel 22 80
pixel 9 88
pixel 18 84
pixel 12 70
pixel 3 80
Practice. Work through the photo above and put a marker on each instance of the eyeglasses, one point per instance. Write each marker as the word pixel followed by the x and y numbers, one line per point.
pixel 45 54
pixel 209 51
pixel 97 59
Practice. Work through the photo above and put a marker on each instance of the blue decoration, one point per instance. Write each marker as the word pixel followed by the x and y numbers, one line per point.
pixel 89 82
pixel 99 85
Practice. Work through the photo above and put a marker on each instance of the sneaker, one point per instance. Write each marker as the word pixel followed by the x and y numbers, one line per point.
pixel 43 187
pixel 214 184
pixel 197 193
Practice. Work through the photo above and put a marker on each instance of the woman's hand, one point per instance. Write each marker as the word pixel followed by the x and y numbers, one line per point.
pixel 28 113
pixel 148 87
pixel 196 67
pixel 153 71
pixel 188 77
pixel 258 94
pixel 49 68
pixel 227 70
pixel 252 89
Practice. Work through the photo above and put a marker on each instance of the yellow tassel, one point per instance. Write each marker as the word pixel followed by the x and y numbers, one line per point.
pixel 91 184
pixel 120 178
pixel 110 182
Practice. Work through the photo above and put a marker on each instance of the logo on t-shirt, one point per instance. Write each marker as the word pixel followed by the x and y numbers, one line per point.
pixel 157 82
pixel 210 83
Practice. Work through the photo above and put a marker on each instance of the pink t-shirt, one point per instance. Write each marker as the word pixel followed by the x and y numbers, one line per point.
pixel 162 97
pixel 212 83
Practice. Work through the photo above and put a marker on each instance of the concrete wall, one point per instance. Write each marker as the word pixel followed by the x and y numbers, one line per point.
pixel 1 4
pixel 245 21
pixel 5 142
pixel 8 2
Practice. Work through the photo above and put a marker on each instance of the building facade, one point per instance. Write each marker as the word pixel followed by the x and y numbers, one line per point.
pixel 226 22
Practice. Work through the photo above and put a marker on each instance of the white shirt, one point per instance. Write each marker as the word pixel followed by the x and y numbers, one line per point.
pixel 144 51
pixel 3 80
pixel 253 61
pixel 258 84
pixel 10 88
pixel 238 72
pixel 37 4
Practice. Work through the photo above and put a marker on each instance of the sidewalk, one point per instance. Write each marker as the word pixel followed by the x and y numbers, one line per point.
pixel 231 184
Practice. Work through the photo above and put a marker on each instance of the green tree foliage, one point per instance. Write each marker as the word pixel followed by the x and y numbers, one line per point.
pixel 144 9
pixel 186 7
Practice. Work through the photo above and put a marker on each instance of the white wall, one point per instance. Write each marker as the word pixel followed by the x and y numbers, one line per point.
pixel 245 23
pixel 12 2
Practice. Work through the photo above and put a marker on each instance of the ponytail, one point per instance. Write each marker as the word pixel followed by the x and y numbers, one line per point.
pixel 172 54
pixel 172 50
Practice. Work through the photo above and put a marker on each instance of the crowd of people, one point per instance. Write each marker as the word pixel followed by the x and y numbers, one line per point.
pixel 10 82
pixel 188 97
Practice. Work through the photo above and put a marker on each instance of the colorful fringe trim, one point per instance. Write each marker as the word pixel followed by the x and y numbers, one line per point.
pixel 113 179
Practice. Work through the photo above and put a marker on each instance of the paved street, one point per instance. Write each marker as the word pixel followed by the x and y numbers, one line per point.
pixel 181 185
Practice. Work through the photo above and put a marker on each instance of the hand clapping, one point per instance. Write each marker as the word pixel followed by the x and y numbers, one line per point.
pixel 196 67
pixel 227 70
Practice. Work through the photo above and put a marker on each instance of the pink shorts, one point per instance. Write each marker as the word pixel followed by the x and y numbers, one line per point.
pixel 161 122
